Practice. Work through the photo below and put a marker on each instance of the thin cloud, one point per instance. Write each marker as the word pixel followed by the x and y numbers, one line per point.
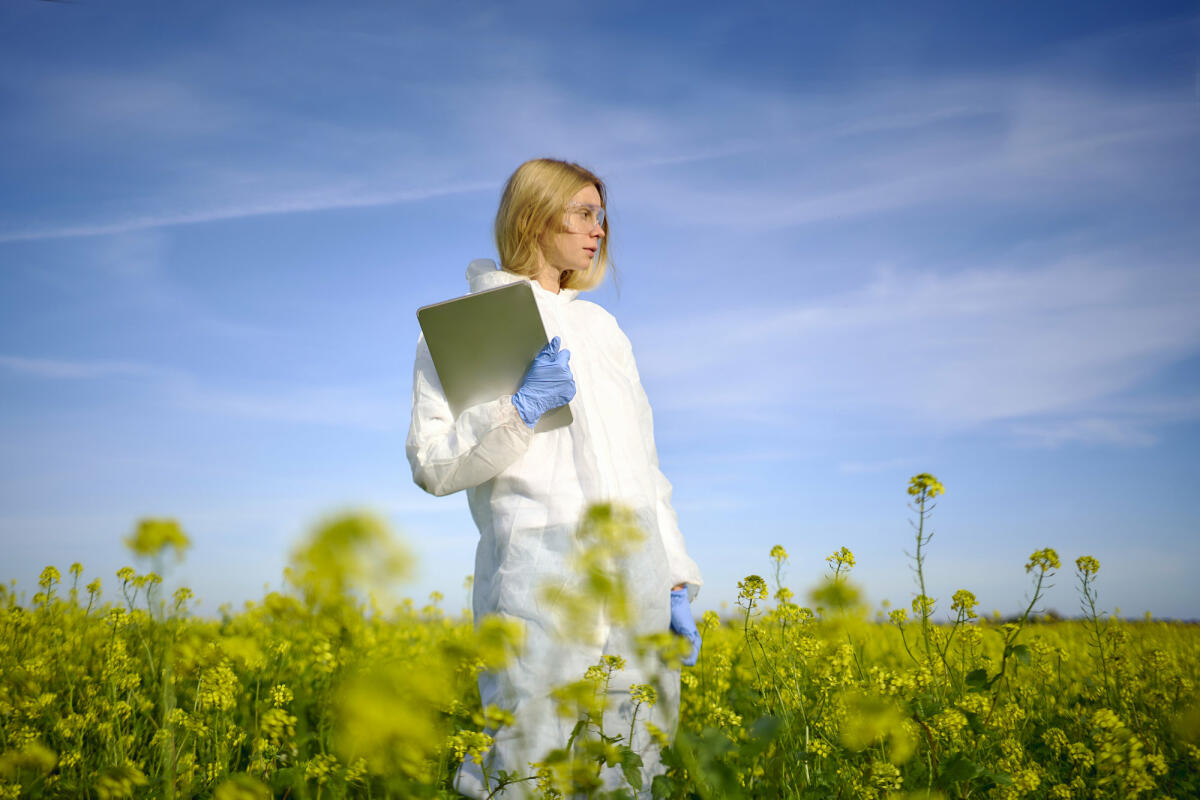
pixel 868 151
pixel 360 407
pixel 947 350
pixel 112 105
pixel 318 200
pixel 59 369
pixel 1035 144
pixel 1091 430
pixel 337 406
pixel 1126 422
pixel 864 467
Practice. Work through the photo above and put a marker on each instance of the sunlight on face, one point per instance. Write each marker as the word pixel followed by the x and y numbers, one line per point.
pixel 564 250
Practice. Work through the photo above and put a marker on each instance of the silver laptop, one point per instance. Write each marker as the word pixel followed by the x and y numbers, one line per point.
pixel 482 345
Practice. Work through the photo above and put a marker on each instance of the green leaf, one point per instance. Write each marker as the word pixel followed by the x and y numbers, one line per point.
pixel 631 765
pixel 615 794
pixel 663 787
pixel 578 729
pixel 762 733
pixel 705 757
pixel 670 758
pixel 958 769
pixel 1001 778
pixel 977 680
pixel 284 779
pixel 1022 653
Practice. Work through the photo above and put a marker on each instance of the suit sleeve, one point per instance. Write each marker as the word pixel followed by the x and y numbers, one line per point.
pixel 682 568
pixel 447 454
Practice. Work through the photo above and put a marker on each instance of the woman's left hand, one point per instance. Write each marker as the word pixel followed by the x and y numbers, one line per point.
pixel 684 624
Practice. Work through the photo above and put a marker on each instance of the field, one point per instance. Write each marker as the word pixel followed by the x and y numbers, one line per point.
pixel 332 690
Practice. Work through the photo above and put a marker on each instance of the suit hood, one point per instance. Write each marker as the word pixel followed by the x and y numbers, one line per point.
pixel 484 274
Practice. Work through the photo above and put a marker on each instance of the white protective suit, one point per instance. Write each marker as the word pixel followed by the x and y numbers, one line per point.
pixel 527 493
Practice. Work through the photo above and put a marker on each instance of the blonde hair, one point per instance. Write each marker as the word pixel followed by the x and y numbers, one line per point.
pixel 532 206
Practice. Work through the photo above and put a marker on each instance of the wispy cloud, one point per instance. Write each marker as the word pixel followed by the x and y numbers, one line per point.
pixel 315 200
pixel 1035 143
pixel 359 407
pixel 785 157
pixel 1090 430
pixel 112 104
pixel 62 369
pixel 366 407
pixel 965 348
pixel 1119 421
pixel 883 465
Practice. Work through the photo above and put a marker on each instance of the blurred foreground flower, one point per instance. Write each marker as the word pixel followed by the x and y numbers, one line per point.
pixel 597 593
pixel 242 787
pixel 872 721
pixel 118 782
pixel 153 536
pixel 349 553
pixel 389 716
pixel 33 759
pixel 833 594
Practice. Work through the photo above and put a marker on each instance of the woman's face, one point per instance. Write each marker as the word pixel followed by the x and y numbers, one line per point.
pixel 571 247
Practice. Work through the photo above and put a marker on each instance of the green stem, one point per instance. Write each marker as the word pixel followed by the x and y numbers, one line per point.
pixel 1009 640
pixel 921 572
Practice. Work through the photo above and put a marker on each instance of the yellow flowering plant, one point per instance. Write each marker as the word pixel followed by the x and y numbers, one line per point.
pixel 332 688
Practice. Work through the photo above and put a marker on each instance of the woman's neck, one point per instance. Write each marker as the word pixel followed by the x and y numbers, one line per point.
pixel 548 277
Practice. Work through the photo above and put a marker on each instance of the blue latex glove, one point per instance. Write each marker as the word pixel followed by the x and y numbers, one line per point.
pixel 684 624
pixel 548 384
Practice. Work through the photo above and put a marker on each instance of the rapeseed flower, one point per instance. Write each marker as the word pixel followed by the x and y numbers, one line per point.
pixel 494 717
pixel 281 695
pixel 926 484
pixel 965 603
pixel 641 693
pixel 751 589
pixel 1045 560
pixel 840 559
pixel 320 768
pixel 48 578
pixel 470 745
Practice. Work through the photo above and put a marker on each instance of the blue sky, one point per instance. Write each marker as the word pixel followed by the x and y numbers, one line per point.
pixel 853 242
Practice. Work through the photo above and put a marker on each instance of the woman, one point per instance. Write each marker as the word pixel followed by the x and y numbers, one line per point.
pixel 528 492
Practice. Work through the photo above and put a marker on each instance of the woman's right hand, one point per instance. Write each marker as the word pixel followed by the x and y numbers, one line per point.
pixel 548 384
pixel 684 624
